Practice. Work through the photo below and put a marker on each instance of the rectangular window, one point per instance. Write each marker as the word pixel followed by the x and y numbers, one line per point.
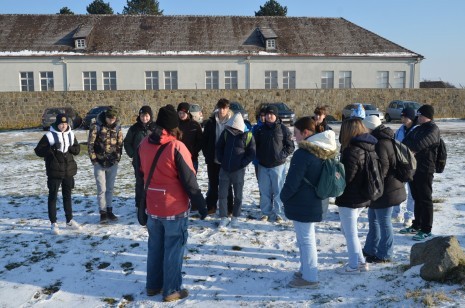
pixel 345 79
pixel 171 80
pixel 109 80
pixel 271 79
pixel 399 80
pixel 288 79
pixel 27 81
pixel 151 80
pixel 46 81
pixel 327 79
pixel 89 81
pixel 270 44
pixel 80 43
pixel 230 80
pixel 382 79
pixel 211 80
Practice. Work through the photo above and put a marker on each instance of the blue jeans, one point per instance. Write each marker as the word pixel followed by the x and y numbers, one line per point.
pixel 105 178
pixel 380 235
pixel 270 183
pixel 305 234
pixel 349 217
pixel 236 178
pixel 166 244
pixel 409 203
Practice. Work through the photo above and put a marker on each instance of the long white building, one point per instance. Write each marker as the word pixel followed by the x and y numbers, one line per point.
pixel 127 52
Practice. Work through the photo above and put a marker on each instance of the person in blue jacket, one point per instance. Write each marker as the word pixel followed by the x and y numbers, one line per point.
pixel 235 149
pixel 301 204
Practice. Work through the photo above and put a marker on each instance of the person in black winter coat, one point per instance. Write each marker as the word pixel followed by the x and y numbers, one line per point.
pixel 301 203
pixel 212 130
pixel 380 238
pixel 274 144
pixel 355 142
pixel 191 133
pixel 137 132
pixel 424 142
pixel 58 147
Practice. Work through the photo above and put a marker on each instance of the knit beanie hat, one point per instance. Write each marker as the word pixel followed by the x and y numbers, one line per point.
pixel 184 107
pixel 426 111
pixel 167 117
pixel 408 113
pixel 146 109
pixel 372 122
pixel 358 112
pixel 61 118
pixel 112 112
pixel 272 109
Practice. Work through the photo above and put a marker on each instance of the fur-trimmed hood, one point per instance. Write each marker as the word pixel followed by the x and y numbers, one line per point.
pixel 322 145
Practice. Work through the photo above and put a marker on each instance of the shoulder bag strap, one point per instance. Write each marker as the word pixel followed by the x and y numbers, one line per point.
pixel 154 163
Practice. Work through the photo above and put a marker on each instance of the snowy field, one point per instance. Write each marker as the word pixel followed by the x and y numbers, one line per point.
pixel 104 265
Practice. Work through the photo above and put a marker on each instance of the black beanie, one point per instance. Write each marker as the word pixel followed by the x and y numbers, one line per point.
pixel 61 118
pixel 167 117
pixel 408 113
pixel 272 109
pixel 184 107
pixel 146 109
pixel 426 111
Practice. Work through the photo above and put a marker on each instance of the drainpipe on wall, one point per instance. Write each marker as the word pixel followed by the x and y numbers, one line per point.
pixel 65 73
pixel 413 73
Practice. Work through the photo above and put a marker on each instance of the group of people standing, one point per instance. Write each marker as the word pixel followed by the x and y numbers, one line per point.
pixel 165 159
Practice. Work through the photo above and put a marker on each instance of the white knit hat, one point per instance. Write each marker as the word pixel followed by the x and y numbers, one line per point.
pixel 372 122
pixel 325 140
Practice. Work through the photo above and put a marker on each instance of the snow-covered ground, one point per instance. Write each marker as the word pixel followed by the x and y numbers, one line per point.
pixel 104 265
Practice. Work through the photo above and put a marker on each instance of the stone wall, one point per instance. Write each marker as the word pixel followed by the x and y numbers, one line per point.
pixel 24 109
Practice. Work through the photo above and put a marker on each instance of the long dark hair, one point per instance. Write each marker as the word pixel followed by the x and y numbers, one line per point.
pixel 350 128
pixel 304 123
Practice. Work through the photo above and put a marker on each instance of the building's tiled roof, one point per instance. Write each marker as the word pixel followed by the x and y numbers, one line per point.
pixel 191 35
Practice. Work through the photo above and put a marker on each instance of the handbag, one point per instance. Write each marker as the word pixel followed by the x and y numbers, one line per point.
pixel 142 206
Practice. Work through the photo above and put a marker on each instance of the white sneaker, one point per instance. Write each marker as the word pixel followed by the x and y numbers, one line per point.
pixel 347 270
pixel 72 224
pixel 54 228
pixel 408 222
pixel 264 218
pixel 363 267
pixel 224 222
pixel 234 222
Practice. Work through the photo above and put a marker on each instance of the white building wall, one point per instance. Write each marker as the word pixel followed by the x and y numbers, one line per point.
pixel 130 70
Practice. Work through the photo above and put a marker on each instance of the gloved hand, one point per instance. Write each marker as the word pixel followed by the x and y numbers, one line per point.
pixel 56 146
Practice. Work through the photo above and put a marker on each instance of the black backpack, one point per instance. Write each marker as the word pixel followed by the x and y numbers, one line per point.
pixel 406 163
pixel 441 156
pixel 374 185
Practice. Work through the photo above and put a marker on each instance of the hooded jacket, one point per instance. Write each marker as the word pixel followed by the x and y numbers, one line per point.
pixel 353 159
pixel 173 182
pixel 191 136
pixel 394 190
pixel 105 142
pixel 299 198
pixel 273 144
pixel 59 157
pixel 134 136
pixel 232 149
pixel 424 142
pixel 211 133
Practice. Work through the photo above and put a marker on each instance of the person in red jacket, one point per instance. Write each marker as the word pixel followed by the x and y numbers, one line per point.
pixel 171 186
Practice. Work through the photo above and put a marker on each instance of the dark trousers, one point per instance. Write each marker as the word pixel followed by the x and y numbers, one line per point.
pixel 67 184
pixel 139 189
pixel 422 193
pixel 213 171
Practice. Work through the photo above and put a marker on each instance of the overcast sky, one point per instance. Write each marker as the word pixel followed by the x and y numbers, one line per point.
pixel 434 29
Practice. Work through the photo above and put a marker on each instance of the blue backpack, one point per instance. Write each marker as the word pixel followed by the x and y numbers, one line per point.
pixel 332 180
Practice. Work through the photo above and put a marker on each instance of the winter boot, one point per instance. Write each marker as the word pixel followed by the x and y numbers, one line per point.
pixel 110 215
pixel 103 217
